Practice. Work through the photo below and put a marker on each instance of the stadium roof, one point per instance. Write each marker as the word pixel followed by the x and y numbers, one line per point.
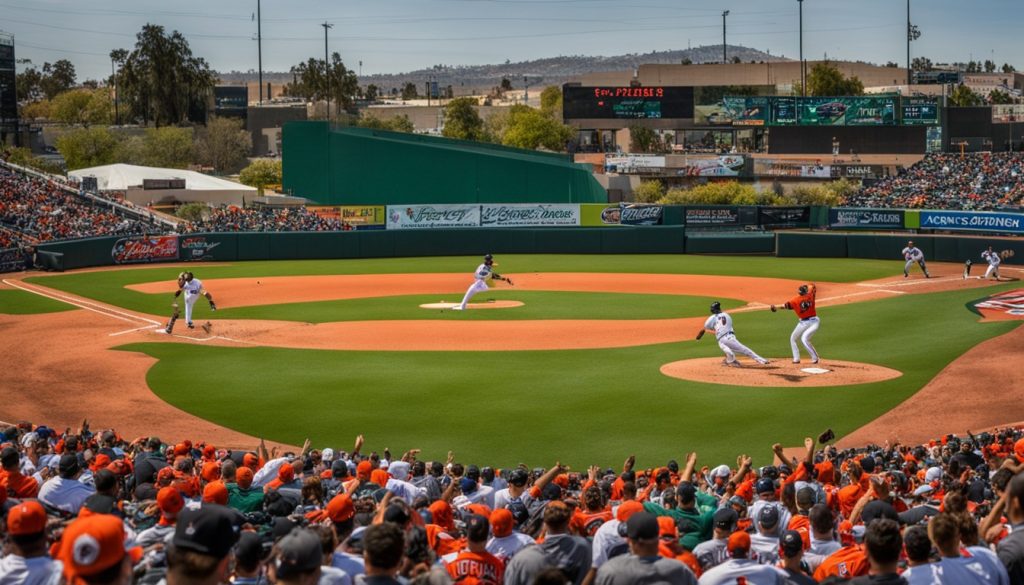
pixel 118 177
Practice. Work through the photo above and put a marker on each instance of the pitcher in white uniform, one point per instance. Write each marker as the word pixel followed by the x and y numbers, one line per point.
pixel 721 323
pixel 193 288
pixel 483 273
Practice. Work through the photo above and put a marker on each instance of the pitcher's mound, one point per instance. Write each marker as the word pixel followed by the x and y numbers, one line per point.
pixel 474 306
pixel 781 372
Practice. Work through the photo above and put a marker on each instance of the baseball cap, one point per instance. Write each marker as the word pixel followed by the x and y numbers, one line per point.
pixel 207 531
pixel 99 504
pixel 642 526
pixel 739 542
pixel 720 471
pixel 768 518
pixel 9 456
pixel 868 464
pixel 249 549
pixel 364 469
pixel 551 492
pixel 244 477
pixel 501 522
pixel 518 477
pixel 92 545
pixel 726 518
pixel 877 509
pixel 340 508
pixel 327 455
pixel 477 528
pixel 1018 450
pixel 211 471
pixel 627 509
pixel 298 552
pixel 933 474
pixel 399 470
pixel 791 543
pixel 764 485
pixel 686 492
pixel 466 484
pixel 169 501
pixel 250 460
pixel 215 492
pixel 68 464
pixel 28 517
pixel 667 527
pixel 339 469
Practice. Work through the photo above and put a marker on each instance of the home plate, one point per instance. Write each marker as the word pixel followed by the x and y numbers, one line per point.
pixel 488 305
pixel 815 370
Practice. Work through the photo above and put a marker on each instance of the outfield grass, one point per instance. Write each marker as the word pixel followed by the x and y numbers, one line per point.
pixel 108 286
pixel 18 302
pixel 579 406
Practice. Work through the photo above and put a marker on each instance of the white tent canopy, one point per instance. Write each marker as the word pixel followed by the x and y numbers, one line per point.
pixel 119 177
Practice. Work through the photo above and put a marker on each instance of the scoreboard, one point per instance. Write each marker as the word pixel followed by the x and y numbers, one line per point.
pixel 626 102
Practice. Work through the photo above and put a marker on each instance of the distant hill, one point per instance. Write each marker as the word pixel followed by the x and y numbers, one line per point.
pixel 539 72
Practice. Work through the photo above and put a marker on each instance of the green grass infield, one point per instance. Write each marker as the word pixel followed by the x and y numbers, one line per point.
pixel 18 302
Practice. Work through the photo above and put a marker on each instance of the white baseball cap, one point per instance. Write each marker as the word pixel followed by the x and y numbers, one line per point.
pixel 327 454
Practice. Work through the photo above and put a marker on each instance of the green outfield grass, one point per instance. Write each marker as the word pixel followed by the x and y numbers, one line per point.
pixel 579 406
pixel 108 286
pixel 17 302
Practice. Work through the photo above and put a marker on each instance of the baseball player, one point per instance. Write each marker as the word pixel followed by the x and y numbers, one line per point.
pixel 803 306
pixel 721 323
pixel 913 254
pixel 483 273
pixel 193 287
pixel 993 259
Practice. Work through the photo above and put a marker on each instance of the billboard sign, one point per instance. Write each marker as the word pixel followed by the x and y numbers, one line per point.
pixel 1007 113
pixel 747 111
pixel 849 111
pixel 138 249
pixel 1011 223
pixel 719 166
pixel 631 163
pixel 784 111
pixel 626 102
pixel 638 214
pixel 530 215
pixel 406 217
pixel 851 218
pixel 725 215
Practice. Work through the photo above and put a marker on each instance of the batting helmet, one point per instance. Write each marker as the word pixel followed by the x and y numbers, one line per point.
pixel 802 290
pixel 488 259
pixel 716 307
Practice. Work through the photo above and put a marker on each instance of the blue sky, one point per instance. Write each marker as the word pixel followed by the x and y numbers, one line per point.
pixel 391 36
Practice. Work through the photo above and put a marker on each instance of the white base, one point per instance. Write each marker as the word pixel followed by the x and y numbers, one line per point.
pixel 815 370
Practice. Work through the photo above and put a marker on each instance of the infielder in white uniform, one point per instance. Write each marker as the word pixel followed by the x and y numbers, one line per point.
pixel 993 259
pixel 483 273
pixel 913 254
pixel 721 323
pixel 193 288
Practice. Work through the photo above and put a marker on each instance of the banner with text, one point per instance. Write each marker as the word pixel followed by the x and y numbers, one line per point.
pixel 1011 223
pixel 404 217
pixel 638 214
pixel 145 249
pixel 599 214
pixel 357 216
pixel 535 215
pixel 784 168
pixel 719 166
pixel 777 216
pixel 851 218
pixel 724 215
pixel 633 163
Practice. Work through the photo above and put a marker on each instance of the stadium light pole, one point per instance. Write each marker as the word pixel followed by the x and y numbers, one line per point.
pixel 259 48
pixel 725 58
pixel 803 79
pixel 909 32
pixel 327 70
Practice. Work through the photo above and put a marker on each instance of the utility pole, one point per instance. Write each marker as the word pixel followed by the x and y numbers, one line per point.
pixel 327 70
pixel 259 48
pixel 113 77
pixel 725 58
pixel 526 91
pixel 803 68
pixel 912 35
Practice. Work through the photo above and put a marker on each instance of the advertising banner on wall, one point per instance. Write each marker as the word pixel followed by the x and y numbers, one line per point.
pixel 197 248
pixel 724 215
pixel 719 166
pixel 599 215
pixel 857 171
pixel 529 215
pixel 783 168
pixel 357 216
pixel 851 218
pixel 639 214
pixel 747 110
pixel 776 216
pixel 140 249
pixel 1011 223
pixel 849 111
pixel 633 163
pixel 404 217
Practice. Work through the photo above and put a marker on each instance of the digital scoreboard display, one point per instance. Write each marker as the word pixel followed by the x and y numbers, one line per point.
pixel 626 102
pixel 8 97
pixel 919 111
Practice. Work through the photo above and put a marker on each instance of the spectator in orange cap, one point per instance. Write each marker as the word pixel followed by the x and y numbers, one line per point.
pixel 669 546
pixel 28 560
pixel 211 471
pixel 505 541
pixel 93 552
pixel 170 502
pixel 241 495
pixel 215 493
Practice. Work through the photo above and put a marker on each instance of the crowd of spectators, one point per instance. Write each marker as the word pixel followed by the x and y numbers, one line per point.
pixel 981 182
pixel 43 211
pixel 96 508
pixel 265 219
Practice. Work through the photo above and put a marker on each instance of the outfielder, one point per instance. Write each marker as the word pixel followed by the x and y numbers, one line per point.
pixel 993 260
pixel 804 306
pixel 193 287
pixel 483 273
pixel 721 323
pixel 913 254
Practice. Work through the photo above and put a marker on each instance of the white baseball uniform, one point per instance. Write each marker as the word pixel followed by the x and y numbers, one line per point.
pixel 193 289
pixel 912 255
pixel 721 324
pixel 483 272
pixel 993 260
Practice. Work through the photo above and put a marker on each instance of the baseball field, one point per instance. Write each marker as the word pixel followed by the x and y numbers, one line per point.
pixel 328 350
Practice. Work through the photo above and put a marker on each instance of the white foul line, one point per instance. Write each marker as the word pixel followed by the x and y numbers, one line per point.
pixel 73 302
pixel 133 330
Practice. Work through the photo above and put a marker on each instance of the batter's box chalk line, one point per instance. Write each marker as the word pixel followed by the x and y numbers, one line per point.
pixel 815 370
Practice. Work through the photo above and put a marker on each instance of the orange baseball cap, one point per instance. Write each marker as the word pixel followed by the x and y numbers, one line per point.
pixel 562 480
pixel 244 478
pixel 480 510
pixel 667 527
pixel 28 517
pixel 250 460
pixel 211 471
pixel 739 542
pixel 364 469
pixel 169 501
pixel 92 545
pixel 627 509
pixel 501 522
pixel 209 452
pixel 286 473
pixel 181 450
pixel 340 508
pixel 1018 450
pixel 216 492
pixel 99 462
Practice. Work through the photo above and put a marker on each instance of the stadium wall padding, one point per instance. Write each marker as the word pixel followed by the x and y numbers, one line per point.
pixel 889 247
pixel 736 243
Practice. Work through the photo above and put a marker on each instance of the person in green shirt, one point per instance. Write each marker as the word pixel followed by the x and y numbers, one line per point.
pixel 241 495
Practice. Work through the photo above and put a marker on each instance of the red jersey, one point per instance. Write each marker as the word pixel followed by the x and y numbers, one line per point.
pixel 803 305
pixel 847 562
pixel 17 485
pixel 802 524
pixel 587 523
pixel 481 568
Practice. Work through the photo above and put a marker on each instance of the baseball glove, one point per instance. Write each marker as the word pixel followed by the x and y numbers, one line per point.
pixel 774 309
